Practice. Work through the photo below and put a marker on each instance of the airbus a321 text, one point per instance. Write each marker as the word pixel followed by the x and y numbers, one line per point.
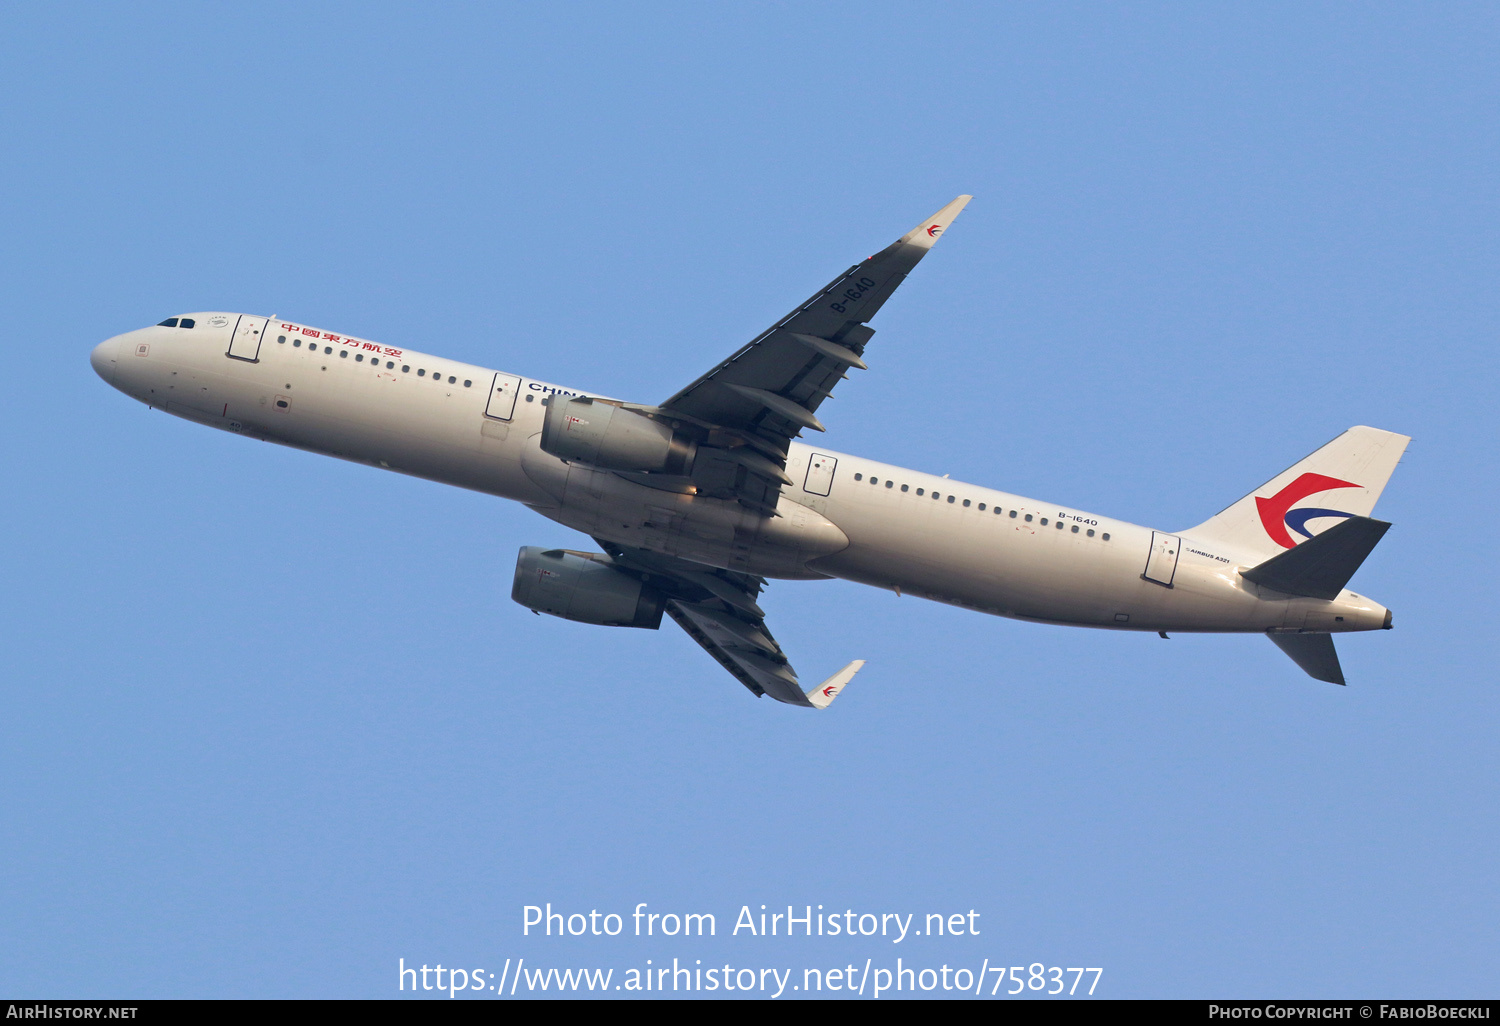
pixel 698 500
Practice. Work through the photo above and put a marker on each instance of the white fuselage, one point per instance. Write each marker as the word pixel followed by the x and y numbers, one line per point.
pixel 877 524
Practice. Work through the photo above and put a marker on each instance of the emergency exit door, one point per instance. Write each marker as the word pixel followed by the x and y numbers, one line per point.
pixel 1161 565
pixel 244 342
pixel 502 404
pixel 820 468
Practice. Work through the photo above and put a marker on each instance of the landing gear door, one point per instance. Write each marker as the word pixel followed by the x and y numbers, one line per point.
pixel 1161 565
pixel 244 343
pixel 502 404
pixel 820 468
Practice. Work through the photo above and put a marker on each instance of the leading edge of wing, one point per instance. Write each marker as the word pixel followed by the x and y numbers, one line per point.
pixel 791 360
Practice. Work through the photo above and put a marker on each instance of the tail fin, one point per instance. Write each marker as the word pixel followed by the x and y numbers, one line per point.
pixel 1348 473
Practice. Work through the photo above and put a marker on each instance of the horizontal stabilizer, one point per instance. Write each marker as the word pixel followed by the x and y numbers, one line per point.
pixel 1314 653
pixel 823 695
pixel 1321 566
pixel 1342 479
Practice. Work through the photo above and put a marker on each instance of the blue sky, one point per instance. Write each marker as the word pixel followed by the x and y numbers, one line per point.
pixel 272 723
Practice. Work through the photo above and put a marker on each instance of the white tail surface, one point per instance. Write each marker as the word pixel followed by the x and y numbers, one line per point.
pixel 1340 480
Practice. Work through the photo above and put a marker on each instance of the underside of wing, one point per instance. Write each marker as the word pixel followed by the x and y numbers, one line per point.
pixel 743 648
pixel 717 609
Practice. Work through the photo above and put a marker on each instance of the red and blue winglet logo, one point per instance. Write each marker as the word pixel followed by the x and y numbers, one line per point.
pixel 1276 513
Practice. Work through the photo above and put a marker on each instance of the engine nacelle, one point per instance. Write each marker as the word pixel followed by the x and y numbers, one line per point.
pixel 580 430
pixel 585 587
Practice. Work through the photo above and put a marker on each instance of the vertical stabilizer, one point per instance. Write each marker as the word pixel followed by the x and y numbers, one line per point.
pixel 1341 480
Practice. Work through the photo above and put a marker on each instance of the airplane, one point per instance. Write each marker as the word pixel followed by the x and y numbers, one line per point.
pixel 698 501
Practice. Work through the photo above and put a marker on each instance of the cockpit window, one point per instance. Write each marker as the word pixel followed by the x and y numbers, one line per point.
pixel 186 322
pixel 170 322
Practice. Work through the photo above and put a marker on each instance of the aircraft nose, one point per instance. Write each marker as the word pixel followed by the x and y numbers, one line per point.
pixel 103 359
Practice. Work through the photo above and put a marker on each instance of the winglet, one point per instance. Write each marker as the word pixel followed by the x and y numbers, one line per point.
pixel 823 695
pixel 926 234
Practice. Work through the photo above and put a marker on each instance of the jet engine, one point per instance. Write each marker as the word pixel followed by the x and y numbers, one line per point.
pixel 583 430
pixel 584 586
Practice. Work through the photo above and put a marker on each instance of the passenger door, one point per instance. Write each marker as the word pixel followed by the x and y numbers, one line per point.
pixel 244 342
pixel 1161 565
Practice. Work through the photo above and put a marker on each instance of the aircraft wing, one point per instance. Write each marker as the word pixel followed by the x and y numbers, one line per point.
pixel 768 392
pixel 717 608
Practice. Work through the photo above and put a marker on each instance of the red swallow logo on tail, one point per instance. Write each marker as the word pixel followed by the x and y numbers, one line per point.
pixel 1276 513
